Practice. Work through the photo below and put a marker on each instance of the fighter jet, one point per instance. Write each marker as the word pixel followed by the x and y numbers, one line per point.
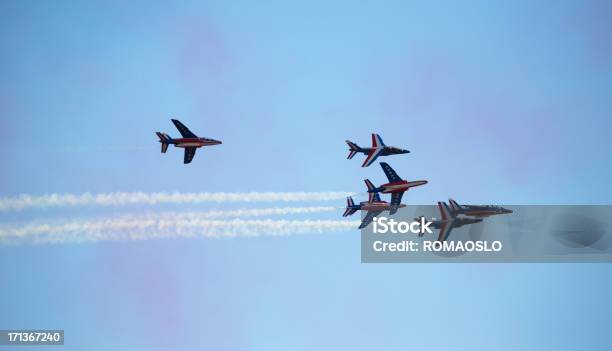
pixel 374 208
pixel 476 211
pixel 448 221
pixel 396 186
pixel 378 149
pixel 189 141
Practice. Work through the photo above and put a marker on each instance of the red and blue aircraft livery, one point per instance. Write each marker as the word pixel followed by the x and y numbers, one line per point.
pixel 396 186
pixel 378 149
pixel 373 208
pixel 189 141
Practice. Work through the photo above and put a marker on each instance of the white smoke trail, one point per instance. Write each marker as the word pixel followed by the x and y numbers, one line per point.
pixel 147 227
pixel 247 212
pixel 139 198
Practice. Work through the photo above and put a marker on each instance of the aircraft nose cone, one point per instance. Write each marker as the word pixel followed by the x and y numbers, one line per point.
pixel 405 151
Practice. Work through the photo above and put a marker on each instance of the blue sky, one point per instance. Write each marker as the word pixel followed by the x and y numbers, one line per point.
pixel 504 102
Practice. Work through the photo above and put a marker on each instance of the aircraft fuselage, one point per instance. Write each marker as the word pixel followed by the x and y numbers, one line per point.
pixel 387 150
pixel 193 142
pixel 483 211
pixel 400 186
pixel 377 206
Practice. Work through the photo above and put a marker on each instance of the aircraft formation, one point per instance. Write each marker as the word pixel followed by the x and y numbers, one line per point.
pixel 396 185
pixel 451 217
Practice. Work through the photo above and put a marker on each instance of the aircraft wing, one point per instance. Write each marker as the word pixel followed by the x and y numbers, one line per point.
pixel 396 200
pixel 189 153
pixel 185 132
pixel 372 156
pixel 445 229
pixel 369 218
pixel 390 173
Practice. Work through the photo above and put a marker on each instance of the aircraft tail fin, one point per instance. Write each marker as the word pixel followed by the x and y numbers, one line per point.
pixel 164 139
pixel 377 141
pixel 454 206
pixel 369 185
pixel 353 149
pixel 373 197
pixel 350 207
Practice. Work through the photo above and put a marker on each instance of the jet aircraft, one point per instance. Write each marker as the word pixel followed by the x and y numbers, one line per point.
pixel 448 221
pixel 396 186
pixel 476 211
pixel 374 208
pixel 378 149
pixel 189 141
